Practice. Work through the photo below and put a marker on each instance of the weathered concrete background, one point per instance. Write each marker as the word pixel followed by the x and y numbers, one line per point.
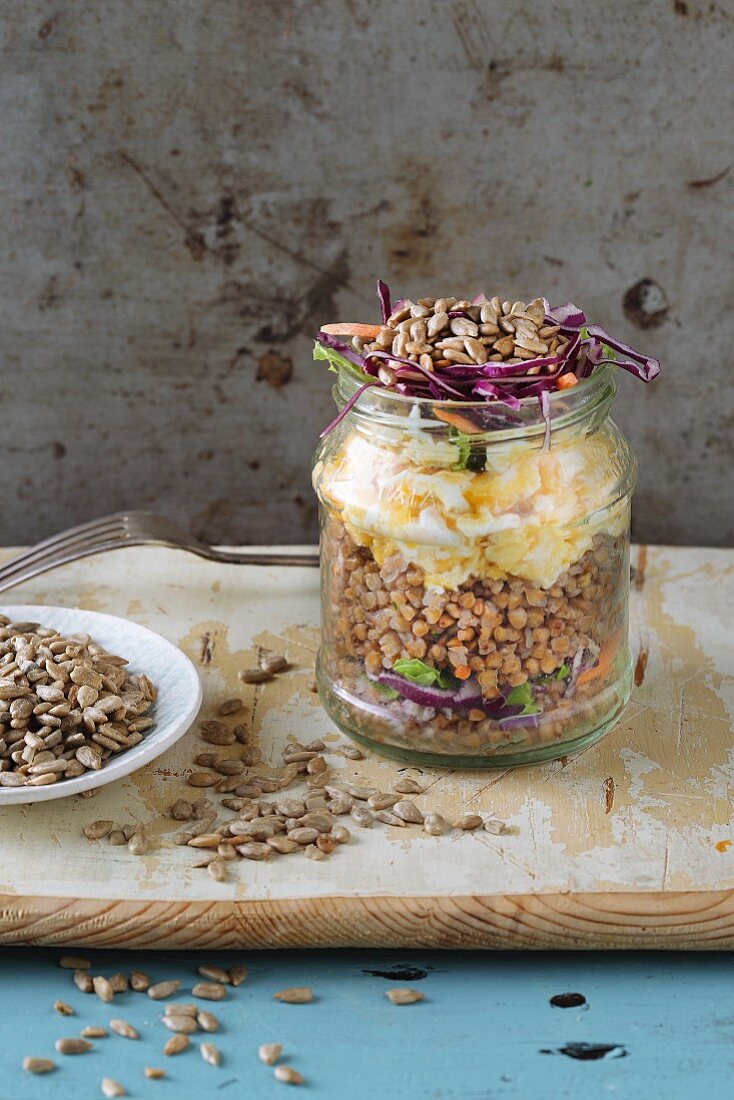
pixel 190 186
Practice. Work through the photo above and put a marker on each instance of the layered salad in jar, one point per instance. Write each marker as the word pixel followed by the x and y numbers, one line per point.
pixel 475 501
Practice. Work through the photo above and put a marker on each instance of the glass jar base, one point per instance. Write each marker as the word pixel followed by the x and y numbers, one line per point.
pixel 535 754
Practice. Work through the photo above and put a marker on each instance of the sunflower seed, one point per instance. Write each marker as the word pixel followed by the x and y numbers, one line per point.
pixel 176 1008
pixel 161 990
pixel 202 779
pixel 207 1021
pixel 269 1053
pixel 210 1054
pixel 497 828
pixel 183 1025
pixel 382 801
pixel 119 983
pixel 341 834
pixel 409 812
pixel 116 837
pixel 237 975
pixel 311 851
pixel 72 1046
pixel 139 981
pixel 209 991
pixel 407 786
pixel 93 1032
pixel 123 1028
pixel 294 995
pixel 206 759
pixel 83 981
pixel 254 675
pixel 98 829
pixel 153 1073
pixel 254 850
pixel 388 818
pixel 351 752
pixel 111 1088
pixel 103 989
pixel 404 996
pixel 434 824
pixel 138 844
pixel 213 973
pixel 287 1075
pixel 38 1065
pixel 360 793
pixel 303 835
pixel 74 962
pixel 468 822
pixel 176 1044
pixel 63 1008
pixel 362 816
pixel 283 844
pixel 216 735
pixel 229 706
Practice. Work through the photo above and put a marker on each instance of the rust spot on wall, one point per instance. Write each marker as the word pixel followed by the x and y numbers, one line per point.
pixel 49 295
pixel 275 369
pixel 698 184
pixel 680 7
pixel 48 27
pixel 640 667
pixel 645 304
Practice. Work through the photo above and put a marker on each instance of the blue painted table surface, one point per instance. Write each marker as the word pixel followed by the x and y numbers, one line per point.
pixel 485 1030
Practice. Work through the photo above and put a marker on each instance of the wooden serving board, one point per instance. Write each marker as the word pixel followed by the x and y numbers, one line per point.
pixel 626 845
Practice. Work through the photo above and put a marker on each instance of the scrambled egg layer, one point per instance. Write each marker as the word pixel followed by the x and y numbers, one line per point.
pixel 530 513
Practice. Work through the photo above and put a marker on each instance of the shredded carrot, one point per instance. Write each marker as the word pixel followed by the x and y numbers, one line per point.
pixel 352 328
pixel 566 381
pixel 463 672
pixel 457 421
pixel 602 666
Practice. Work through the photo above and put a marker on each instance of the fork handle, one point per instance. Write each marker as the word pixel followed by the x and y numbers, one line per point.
pixel 232 557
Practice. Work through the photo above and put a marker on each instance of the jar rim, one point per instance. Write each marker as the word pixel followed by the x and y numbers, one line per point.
pixel 382 406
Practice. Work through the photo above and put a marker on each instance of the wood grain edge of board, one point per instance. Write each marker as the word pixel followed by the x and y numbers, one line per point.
pixel 568 921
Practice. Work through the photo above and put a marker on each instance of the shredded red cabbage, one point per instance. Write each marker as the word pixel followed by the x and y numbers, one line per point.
pixel 587 347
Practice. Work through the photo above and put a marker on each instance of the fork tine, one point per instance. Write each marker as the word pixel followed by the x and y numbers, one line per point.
pixel 43 565
pixel 106 527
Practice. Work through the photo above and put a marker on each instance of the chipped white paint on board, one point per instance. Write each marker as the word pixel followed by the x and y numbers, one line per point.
pixel 642 811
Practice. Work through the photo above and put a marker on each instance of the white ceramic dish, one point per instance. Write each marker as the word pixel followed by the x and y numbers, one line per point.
pixel 176 679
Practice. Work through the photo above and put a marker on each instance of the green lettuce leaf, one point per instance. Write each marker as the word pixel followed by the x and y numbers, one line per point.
pixel 523 696
pixel 386 692
pixel 561 673
pixel 336 361
pixel 418 672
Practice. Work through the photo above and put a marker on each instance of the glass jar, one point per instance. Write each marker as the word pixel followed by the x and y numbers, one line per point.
pixel 475 575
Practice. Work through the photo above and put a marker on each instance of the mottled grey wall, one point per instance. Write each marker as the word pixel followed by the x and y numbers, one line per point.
pixel 190 186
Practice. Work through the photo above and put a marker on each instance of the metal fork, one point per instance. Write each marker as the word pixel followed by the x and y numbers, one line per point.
pixel 126 529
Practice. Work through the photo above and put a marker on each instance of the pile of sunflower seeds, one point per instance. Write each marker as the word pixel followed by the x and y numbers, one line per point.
pixel 181 1018
pixel 66 705
pixel 436 332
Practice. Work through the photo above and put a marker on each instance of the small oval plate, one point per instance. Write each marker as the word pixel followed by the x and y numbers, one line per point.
pixel 172 673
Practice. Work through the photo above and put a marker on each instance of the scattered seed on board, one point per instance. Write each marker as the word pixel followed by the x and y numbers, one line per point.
pixel 497 828
pixel 139 981
pixel 237 975
pixel 63 1008
pixel 93 1032
pixel 404 996
pixel 468 822
pixel 163 989
pixel 287 1075
pixel 124 1029
pixel 111 1088
pixel 83 981
pixel 38 1065
pixel 210 1054
pixel 434 824
pixel 351 752
pixel 176 1044
pixel 253 676
pixel 269 1053
pixel 96 830
pixel 72 1046
pixel 229 706
pixel 295 995
pixel 74 962
pixel 408 811
pixel 103 989
pixel 207 1021
pixel 407 786
pixel 217 870
pixel 214 973
pixel 274 664
pixel 119 983
pixel 153 1073
pixel 182 1025
pixel 176 1008
pixel 209 991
